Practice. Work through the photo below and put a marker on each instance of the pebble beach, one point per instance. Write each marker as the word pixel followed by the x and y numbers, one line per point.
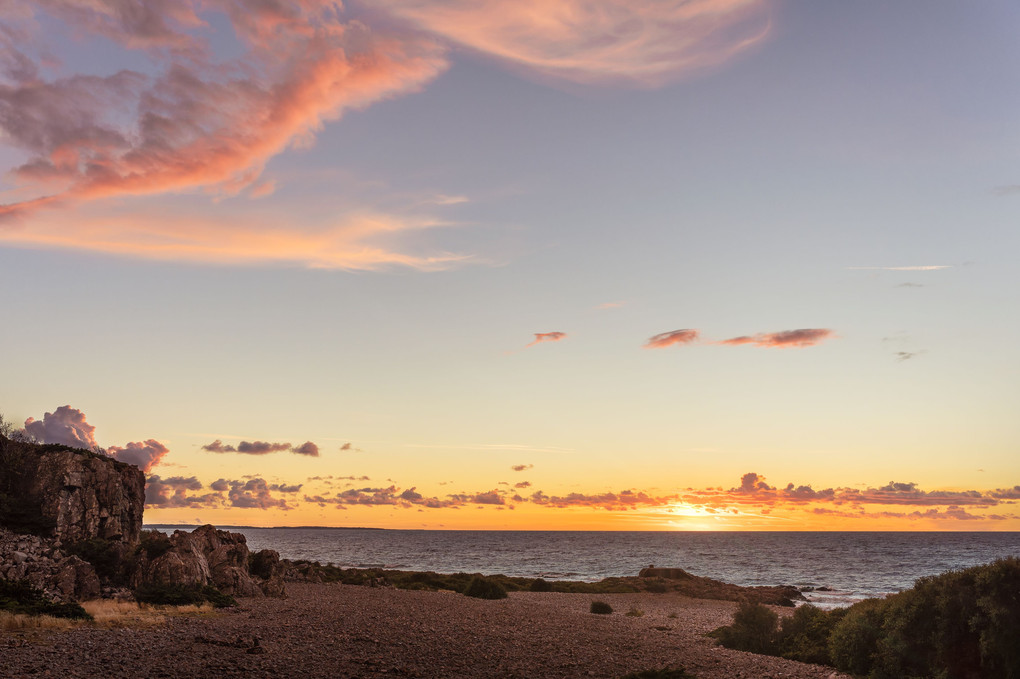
pixel 333 630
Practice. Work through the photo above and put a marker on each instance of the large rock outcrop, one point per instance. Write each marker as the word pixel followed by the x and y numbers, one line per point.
pixel 208 556
pixel 75 494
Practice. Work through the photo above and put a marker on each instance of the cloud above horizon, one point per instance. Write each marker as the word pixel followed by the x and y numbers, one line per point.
pixel 546 337
pixel 176 113
pixel 805 337
pixel 193 123
pixel 641 43
pixel 67 426
pixel 262 448
pixel 671 338
pixel 144 455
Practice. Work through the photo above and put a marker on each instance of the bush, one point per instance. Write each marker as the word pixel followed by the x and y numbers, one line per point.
pixel 154 543
pixel 601 608
pixel 804 636
pixel 21 598
pixel 634 612
pixel 181 595
pixel 657 586
pixel 754 629
pixel 539 585
pixel 106 556
pixel 483 588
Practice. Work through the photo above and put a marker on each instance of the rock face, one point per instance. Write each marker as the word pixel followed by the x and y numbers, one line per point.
pixel 38 560
pixel 207 556
pixel 81 494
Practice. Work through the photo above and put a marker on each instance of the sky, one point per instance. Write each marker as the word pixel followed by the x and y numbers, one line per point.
pixel 542 264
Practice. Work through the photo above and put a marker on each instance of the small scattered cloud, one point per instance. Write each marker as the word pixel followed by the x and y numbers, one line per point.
pixel 546 337
pixel 262 448
pixel 804 337
pixel 175 491
pixel 673 337
pixel 523 484
pixel 906 355
pixel 522 467
pixel 442 199
pixel 307 448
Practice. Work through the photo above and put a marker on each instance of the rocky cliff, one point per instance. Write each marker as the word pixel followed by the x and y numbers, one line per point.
pixel 69 494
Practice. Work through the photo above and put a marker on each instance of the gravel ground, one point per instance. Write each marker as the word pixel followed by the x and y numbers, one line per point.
pixel 340 631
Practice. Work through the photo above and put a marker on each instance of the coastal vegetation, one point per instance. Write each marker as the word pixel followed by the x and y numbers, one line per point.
pixel 19 597
pixel 600 608
pixel 961 624
pixel 483 588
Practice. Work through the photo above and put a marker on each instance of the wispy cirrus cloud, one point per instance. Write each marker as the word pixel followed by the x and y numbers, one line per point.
pixel 546 337
pixel 631 42
pixel 192 123
pixel 804 337
pixel 671 338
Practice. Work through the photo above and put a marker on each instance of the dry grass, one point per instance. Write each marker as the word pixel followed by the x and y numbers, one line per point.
pixel 107 615
pixel 10 622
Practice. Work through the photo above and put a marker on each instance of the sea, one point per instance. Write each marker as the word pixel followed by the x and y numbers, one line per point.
pixel 831 568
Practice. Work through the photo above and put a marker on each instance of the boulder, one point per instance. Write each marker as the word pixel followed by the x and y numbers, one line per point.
pixel 208 556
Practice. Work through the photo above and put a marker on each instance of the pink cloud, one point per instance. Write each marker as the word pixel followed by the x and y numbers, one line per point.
pixel 144 455
pixel 547 337
pixel 804 337
pixel 174 492
pixel 66 426
pixel 307 448
pixel 665 339
pixel 195 123
pixel 631 42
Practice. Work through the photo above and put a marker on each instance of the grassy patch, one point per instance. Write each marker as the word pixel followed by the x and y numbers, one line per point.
pixel 634 612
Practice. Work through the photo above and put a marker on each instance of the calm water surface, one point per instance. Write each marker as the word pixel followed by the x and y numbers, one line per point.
pixel 853 565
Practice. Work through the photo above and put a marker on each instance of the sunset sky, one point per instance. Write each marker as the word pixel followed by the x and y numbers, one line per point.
pixel 531 264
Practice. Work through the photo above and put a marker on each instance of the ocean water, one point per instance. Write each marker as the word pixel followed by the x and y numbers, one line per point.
pixel 851 565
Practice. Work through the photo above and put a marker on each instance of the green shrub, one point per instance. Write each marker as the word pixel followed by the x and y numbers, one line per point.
pixel 665 673
pixel 21 598
pixel 483 588
pixel 754 629
pixel 539 585
pixel 804 636
pixel 154 543
pixel 657 586
pixel 182 595
pixel 106 556
pixel 601 608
